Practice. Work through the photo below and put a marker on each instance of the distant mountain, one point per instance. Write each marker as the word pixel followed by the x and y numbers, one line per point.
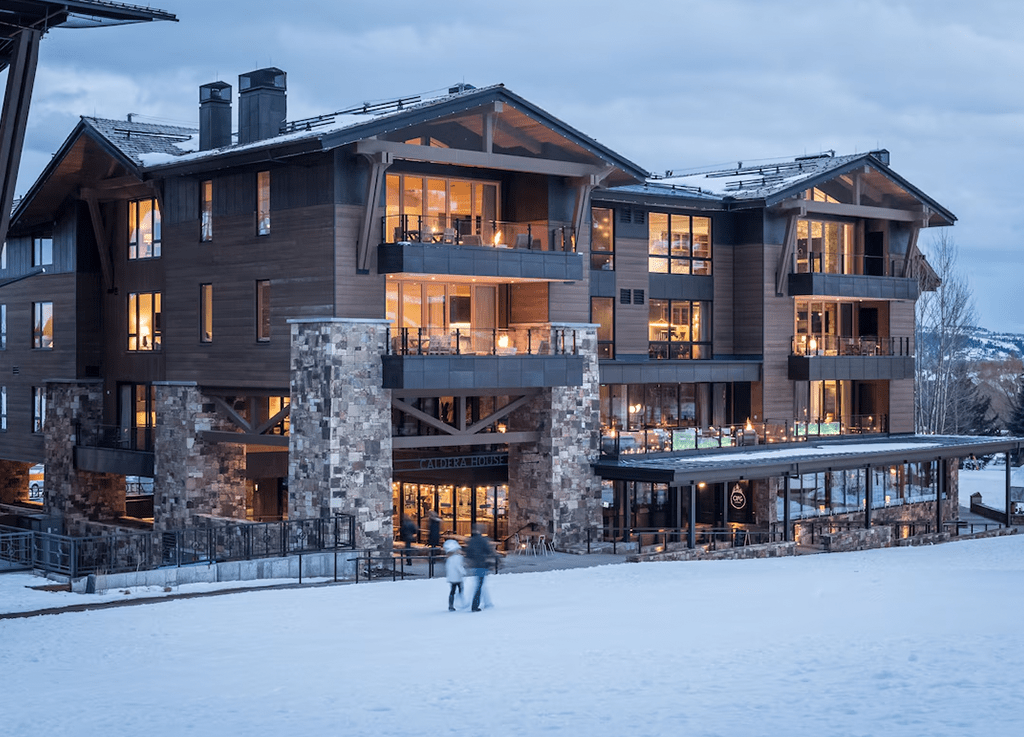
pixel 985 345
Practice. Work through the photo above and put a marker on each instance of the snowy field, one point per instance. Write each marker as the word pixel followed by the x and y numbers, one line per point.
pixel 904 641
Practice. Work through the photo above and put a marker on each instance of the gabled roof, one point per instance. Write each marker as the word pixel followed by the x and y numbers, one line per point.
pixel 144 143
pixel 551 132
pixel 766 184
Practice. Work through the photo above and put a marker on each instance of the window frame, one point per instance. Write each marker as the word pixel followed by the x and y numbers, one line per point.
pixel 262 305
pixel 602 259
pixel 135 236
pixel 155 315
pixel 605 347
pixel 263 202
pixel 42 314
pixel 206 313
pixel 42 250
pixel 38 409
pixel 206 210
pixel 671 349
pixel 3 327
pixel 3 409
pixel 677 259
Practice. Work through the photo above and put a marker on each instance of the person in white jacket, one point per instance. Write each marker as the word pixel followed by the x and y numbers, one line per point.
pixel 454 571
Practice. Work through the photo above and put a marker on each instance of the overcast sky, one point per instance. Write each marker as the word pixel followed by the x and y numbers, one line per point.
pixel 669 84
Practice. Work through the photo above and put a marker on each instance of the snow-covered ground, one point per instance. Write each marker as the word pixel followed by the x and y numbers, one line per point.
pixel 903 641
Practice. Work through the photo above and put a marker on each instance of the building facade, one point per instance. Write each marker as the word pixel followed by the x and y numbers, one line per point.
pixel 459 305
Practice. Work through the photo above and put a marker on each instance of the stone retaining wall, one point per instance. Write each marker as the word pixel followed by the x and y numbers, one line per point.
pixel 768 550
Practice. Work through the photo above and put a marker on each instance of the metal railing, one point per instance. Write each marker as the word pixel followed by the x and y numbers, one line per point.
pixel 114 436
pixel 835 345
pixel 615 442
pixel 219 541
pixel 456 231
pixel 705 536
pixel 483 342
pixel 838 263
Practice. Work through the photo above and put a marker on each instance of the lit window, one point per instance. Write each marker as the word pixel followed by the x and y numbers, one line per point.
pixel 144 321
pixel 679 244
pixel 42 324
pixel 38 408
pixel 3 409
pixel 602 239
pixel 263 203
pixel 42 251
pixel 206 211
pixel 143 229
pixel 679 329
pixel 3 327
pixel 602 312
pixel 263 311
pixel 206 313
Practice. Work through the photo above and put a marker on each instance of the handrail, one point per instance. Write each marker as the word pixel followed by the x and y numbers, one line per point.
pixel 540 235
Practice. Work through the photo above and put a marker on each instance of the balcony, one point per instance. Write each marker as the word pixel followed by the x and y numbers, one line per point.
pixel 474 247
pixel 863 277
pixel 832 357
pixel 465 358
pixel 114 449
pixel 616 442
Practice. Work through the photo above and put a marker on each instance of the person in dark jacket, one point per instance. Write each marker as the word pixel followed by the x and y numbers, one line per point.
pixel 434 535
pixel 408 533
pixel 479 558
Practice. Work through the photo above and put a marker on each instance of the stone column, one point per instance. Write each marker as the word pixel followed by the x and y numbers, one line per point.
pixel 339 452
pixel 77 496
pixel 552 482
pixel 14 481
pixel 190 475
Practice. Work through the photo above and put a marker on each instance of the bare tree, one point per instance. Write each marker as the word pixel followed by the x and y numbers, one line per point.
pixel 945 320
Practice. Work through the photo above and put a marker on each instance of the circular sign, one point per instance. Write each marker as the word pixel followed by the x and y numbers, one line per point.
pixel 737 499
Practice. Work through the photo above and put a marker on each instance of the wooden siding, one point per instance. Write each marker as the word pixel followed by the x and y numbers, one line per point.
pixel 723 307
pixel 356 295
pixel 753 291
pixel 777 334
pixel 902 320
pixel 529 303
pixel 901 405
pixel 570 302
pixel 631 265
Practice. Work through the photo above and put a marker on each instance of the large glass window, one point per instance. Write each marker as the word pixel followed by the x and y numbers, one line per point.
pixel 206 313
pixel 602 312
pixel 38 408
pixel 442 210
pixel 826 247
pixel 679 244
pixel 206 210
pixel 144 321
pixel 263 311
pixel 263 203
pixel 679 329
pixel 42 324
pixel 143 229
pixel 602 239
pixel 431 317
pixel 42 251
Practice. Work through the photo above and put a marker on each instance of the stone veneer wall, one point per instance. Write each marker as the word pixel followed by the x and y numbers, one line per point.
pixel 77 496
pixel 191 476
pixel 14 481
pixel 552 483
pixel 339 452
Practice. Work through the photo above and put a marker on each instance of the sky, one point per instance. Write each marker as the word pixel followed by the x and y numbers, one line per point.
pixel 897 642
pixel 669 84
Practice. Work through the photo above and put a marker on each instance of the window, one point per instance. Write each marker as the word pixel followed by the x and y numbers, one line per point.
pixel 205 313
pixel 263 203
pixel 42 324
pixel 602 239
pixel 679 244
pixel 206 211
pixel 679 329
pixel 144 321
pixel 263 311
pixel 138 415
pixel 823 247
pixel 42 251
pixel 602 312
pixel 3 256
pixel 3 409
pixel 38 408
pixel 3 327
pixel 453 210
pixel 143 229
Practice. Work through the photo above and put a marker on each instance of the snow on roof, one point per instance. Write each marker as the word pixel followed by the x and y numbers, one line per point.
pixel 758 180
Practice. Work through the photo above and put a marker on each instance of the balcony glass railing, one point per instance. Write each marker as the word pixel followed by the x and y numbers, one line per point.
pixel 115 437
pixel 540 235
pixel 483 342
pixel 865 345
pixel 838 263
pixel 615 442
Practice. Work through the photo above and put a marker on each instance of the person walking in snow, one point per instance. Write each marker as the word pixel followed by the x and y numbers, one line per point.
pixel 454 571
pixel 480 556
pixel 408 533
pixel 434 534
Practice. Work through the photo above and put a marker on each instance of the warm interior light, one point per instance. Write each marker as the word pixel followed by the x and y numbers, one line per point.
pixel 749 427
pixel 497 238
pixel 813 345
pixel 502 427
pixel 503 341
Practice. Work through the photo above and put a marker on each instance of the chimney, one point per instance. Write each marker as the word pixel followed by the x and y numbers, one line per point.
pixel 262 107
pixel 881 154
pixel 214 115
